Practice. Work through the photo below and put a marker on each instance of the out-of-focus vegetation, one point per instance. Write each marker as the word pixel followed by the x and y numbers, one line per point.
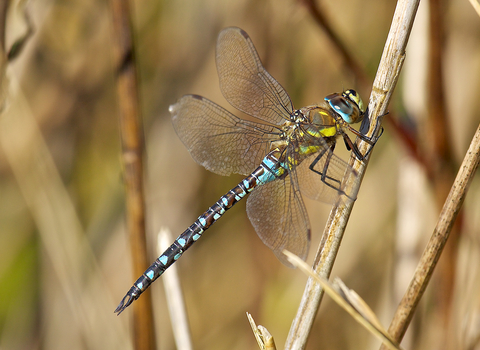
pixel 64 263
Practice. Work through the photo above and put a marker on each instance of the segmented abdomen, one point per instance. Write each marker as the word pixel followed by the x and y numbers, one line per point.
pixel 266 172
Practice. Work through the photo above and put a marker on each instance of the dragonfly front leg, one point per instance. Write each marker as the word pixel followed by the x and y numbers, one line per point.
pixel 370 140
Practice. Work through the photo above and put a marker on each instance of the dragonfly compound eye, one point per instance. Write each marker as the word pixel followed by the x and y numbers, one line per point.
pixel 346 106
pixel 355 98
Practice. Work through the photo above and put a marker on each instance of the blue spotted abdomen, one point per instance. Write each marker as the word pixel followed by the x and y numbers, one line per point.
pixel 268 171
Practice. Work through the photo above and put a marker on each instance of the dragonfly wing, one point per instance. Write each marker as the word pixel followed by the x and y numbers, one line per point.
pixel 217 139
pixel 244 81
pixel 326 182
pixel 278 214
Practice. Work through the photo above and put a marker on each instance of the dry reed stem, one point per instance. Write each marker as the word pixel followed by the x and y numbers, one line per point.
pixel 348 300
pixel 384 84
pixel 132 145
pixel 437 242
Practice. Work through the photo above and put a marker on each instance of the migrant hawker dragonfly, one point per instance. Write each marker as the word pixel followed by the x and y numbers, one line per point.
pixel 283 151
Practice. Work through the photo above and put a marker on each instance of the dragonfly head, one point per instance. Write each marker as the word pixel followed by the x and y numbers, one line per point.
pixel 349 106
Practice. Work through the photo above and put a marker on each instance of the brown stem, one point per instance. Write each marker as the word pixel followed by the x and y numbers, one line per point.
pixel 132 145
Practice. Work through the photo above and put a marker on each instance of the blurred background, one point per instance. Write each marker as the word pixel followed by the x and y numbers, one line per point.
pixel 64 255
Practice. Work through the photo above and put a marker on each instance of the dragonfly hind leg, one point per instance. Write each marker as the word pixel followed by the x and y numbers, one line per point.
pixel 327 180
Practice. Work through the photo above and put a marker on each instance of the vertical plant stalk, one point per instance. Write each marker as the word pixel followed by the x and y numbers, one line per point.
pixel 385 81
pixel 132 147
pixel 441 163
pixel 437 242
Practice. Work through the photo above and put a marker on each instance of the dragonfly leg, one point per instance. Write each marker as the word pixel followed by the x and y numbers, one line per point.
pixel 370 140
pixel 327 180
pixel 353 147
pixel 374 142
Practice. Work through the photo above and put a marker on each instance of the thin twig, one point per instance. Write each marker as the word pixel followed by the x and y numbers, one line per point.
pixel 384 84
pixel 435 246
pixel 132 145
pixel 322 20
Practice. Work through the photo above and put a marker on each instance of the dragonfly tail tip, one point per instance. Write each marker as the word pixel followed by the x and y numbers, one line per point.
pixel 126 301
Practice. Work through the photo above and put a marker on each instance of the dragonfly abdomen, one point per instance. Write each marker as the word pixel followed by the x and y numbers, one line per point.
pixel 266 172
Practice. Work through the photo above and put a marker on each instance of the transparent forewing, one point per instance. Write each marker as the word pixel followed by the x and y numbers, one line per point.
pixel 244 81
pixel 327 181
pixel 217 139
pixel 278 214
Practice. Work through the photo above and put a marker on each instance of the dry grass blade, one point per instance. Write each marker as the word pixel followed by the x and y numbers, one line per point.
pixel 437 241
pixel 476 6
pixel 385 81
pixel 262 335
pixel 20 29
pixel 59 227
pixel 63 244
pixel 349 301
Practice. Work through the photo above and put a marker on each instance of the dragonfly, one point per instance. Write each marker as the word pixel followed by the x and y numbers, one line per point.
pixel 283 152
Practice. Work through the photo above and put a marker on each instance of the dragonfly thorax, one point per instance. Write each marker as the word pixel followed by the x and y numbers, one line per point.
pixel 298 117
pixel 290 127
